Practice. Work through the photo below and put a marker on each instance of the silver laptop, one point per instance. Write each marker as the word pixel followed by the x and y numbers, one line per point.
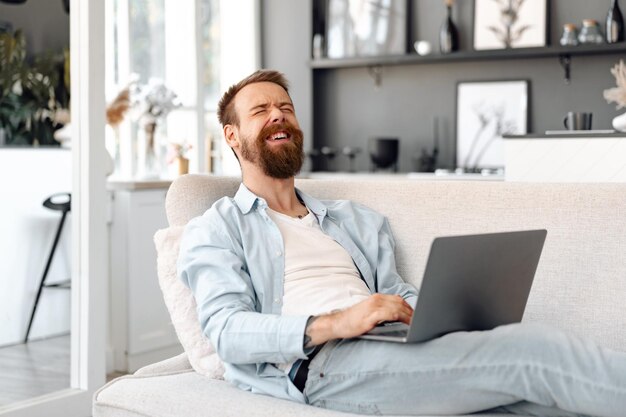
pixel 472 282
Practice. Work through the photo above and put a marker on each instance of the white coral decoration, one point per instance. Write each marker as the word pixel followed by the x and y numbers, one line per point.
pixel 155 100
pixel 617 94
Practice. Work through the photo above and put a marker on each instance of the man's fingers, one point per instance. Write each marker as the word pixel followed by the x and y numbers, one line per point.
pixel 395 308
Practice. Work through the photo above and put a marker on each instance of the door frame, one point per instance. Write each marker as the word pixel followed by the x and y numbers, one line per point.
pixel 89 233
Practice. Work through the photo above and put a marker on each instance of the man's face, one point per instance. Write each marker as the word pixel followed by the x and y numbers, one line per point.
pixel 269 132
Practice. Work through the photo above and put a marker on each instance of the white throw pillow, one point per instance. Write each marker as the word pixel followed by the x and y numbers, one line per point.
pixel 182 306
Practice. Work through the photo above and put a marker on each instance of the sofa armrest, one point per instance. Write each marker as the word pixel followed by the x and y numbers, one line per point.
pixel 175 364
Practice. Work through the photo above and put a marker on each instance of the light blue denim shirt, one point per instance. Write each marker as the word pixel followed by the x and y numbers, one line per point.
pixel 232 259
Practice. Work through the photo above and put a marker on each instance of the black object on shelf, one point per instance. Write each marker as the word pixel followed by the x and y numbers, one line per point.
pixel 614 24
pixel 329 153
pixel 448 34
pixel 64 207
pixel 384 153
pixel 351 153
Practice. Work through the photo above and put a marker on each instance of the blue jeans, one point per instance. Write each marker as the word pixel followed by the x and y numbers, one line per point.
pixel 516 369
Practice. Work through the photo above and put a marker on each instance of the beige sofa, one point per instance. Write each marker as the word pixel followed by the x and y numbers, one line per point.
pixel 580 284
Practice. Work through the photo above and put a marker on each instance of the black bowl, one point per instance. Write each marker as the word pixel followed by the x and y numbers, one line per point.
pixel 384 151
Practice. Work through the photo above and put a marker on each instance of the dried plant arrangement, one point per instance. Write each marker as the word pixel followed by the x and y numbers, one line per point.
pixel 117 109
pixel 617 94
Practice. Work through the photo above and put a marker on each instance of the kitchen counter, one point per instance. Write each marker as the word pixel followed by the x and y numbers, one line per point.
pixel 391 176
pixel 116 184
pixel 575 157
pixel 574 134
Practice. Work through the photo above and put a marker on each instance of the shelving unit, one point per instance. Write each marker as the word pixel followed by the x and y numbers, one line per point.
pixel 469 56
pixel 563 53
pixel 563 78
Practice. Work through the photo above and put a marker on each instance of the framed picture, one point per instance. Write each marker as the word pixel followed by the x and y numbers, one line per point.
pixel 485 111
pixel 500 24
pixel 365 28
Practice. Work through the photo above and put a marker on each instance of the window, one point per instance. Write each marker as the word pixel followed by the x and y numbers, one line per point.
pixel 196 48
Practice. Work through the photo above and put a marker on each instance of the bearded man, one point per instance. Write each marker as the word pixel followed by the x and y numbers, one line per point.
pixel 285 282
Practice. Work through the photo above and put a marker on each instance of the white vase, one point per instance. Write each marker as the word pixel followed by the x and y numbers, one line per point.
pixel 619 123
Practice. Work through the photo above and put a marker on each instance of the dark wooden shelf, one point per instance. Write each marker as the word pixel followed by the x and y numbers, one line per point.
pixel 469 56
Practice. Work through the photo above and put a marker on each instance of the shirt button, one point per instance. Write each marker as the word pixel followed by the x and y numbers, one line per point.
pixel 276 300
pixel 278 253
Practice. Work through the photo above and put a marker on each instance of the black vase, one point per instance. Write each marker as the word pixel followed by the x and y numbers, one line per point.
pixel 614 24
pixel 448 35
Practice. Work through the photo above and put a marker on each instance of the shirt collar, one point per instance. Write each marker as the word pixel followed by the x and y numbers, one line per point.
pixel 246 199
pixel 314 205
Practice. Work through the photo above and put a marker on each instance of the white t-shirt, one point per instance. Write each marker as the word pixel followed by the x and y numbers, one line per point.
pixel 320 275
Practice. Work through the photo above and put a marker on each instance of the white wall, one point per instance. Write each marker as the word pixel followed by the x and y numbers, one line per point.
pixel 27 177
pixel 287 27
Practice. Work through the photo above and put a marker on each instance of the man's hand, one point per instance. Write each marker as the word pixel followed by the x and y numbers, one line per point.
pixel 358 319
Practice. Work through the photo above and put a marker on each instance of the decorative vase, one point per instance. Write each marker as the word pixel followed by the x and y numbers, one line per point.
pixel 148 166
pixel 449 34
pixel 614 24
pixel 183 165
pixel 619 123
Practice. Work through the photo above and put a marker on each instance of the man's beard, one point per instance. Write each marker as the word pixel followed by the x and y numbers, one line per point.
pixel 282 162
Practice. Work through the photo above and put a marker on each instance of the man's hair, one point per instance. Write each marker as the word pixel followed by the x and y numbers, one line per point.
pixel 226 113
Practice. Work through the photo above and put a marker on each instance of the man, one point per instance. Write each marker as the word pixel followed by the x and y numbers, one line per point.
pixel 284 282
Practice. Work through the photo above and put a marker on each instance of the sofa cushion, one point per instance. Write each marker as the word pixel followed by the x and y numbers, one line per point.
pixel 187 393
pixel 182 306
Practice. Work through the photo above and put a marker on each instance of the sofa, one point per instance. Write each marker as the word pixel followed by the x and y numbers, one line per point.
pixel 580 284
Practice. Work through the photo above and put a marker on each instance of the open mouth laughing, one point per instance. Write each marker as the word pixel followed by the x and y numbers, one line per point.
pixel 279 136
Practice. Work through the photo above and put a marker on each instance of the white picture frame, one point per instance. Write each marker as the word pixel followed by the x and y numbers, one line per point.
pixel 357 28
pixel 503 24
pixel 485 111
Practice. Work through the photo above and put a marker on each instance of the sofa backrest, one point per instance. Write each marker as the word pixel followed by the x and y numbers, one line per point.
pixel 580 283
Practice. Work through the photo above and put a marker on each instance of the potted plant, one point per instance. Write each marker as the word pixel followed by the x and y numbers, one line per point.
pixel 178 154
pixel 32 93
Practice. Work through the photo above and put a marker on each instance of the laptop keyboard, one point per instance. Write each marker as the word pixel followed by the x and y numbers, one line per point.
pixel 391 329
pixel 394 333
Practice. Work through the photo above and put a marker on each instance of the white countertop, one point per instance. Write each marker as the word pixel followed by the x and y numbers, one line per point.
pixel 116 184
pixel 424 176
pixel 571 159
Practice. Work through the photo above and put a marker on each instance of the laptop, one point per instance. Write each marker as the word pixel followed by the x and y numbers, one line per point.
pixel 471 282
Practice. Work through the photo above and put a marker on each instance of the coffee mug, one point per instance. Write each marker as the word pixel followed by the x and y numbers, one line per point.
pixel 577 121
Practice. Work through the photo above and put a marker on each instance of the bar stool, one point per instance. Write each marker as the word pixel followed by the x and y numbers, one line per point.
pixel 64 207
